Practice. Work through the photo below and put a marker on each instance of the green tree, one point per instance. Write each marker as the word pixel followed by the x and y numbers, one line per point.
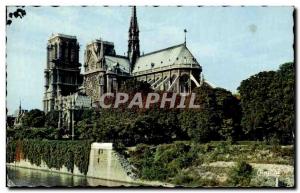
pixel 84 127
pixel 218 118
pixel 51 119
pixel 34 118
pixel 268 104
pixel 18 13
pixel 229 111
pixel 201 124
pixel 286 114
pixel 203 131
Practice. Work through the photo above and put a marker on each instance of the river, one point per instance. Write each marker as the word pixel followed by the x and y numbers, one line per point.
pixel 23 177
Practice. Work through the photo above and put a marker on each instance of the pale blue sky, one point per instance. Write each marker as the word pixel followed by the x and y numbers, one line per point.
pixel 231 43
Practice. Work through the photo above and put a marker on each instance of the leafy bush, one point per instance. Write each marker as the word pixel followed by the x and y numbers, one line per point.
pixel 183 179
pixel 241 174
pixel 222 148
pixel 164 161
pixel 192 178
pixel 32 133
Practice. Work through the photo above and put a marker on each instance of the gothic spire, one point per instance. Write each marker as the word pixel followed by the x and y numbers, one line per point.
pixel 133 41
pixel 185 31
pixel 133 21
pixel 20 108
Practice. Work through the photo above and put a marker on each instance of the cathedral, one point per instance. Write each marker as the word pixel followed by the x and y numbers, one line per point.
pixel 172 69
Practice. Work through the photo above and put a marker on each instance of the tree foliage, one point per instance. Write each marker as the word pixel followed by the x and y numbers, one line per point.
pixel 129 128
pixel 217 119
pixel 264 110
pixel 268 104
pixel 32 133
pixel 51 119
pixel 18 13
pixel 163 162
pixel 34 118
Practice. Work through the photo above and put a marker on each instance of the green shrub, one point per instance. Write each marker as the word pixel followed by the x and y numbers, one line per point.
pixel 222 147
pixel 207 148
pixel 164 161
pixel 273 140
pixel 155 171
pixel 241 174
pixel 183 180
pixel 192 178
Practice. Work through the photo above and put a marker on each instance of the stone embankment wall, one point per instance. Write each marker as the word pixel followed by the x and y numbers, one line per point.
pixel 104 163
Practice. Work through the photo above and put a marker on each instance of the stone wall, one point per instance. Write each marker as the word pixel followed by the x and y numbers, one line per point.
pixel 104 164
pixel 44 167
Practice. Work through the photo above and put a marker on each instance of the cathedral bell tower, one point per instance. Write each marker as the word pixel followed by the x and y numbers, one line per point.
pixel 133 42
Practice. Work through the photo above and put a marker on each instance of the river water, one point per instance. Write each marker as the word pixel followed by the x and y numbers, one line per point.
pixel 22 177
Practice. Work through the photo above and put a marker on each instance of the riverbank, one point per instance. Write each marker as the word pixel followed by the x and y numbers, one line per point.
pixel 78 180
pixel 102 162
pixel 182 163
pixel 26 177
pixel 216 164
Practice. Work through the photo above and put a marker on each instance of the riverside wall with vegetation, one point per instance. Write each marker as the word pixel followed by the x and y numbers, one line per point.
pixel 81 158
pixel 181 163
pixel 52 153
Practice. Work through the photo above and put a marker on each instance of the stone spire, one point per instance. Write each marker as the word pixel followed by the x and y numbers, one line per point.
pixel 20 107
pixel 133 42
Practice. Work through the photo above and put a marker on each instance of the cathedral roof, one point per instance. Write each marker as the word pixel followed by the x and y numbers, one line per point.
pixel 113 61
pixel 178 54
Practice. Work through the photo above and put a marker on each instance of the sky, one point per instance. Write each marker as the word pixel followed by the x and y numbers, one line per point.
pixel 230 43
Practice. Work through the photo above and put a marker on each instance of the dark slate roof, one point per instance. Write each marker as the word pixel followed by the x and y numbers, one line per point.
pixel 178 54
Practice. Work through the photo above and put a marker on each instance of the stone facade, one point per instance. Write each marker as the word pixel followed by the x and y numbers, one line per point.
pixel 19 115
pixel 103 69
pixel 62 73
pixel 70 108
